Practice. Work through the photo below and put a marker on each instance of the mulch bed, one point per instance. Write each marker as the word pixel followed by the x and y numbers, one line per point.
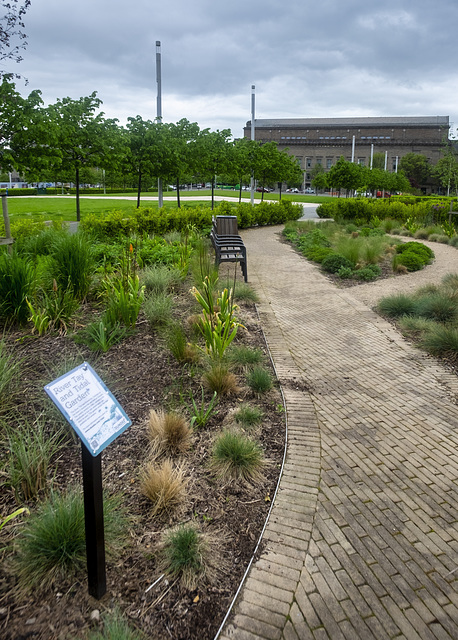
pixel 143 375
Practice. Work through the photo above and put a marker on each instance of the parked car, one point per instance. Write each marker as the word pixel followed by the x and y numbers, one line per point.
pixel 309 190
pixel 295 190
pixel 262 189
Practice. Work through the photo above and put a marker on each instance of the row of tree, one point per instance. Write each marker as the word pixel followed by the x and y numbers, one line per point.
pixel 68 140
pixel 414 172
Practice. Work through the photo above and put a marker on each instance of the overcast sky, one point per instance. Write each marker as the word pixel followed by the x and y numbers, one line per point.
pixel 326 58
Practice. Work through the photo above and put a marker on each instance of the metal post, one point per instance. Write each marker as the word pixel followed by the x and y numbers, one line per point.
pixel 353 149
pixel 6 220
pixel 372 154
pixel 159 111
pixel 252 137
pixel 93 523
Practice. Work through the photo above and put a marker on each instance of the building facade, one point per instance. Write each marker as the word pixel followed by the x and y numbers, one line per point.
pixel 322 141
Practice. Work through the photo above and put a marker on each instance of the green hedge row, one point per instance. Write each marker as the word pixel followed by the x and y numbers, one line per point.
pixel 19 192
pixel 160 221
pixel 364 209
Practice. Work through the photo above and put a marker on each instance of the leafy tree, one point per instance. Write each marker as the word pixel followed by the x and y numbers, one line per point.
pixel 346 175
pixel 446 171
pixel 83 138
pixel 416 167
pixel 242 159
pixel 210 150
pixel 149 149
pixel 319 177
pixel 11 31
pixel 24 131
pixel 378 161
pixel 182 161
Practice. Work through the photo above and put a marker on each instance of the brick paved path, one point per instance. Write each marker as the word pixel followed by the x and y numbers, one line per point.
pixel 363 537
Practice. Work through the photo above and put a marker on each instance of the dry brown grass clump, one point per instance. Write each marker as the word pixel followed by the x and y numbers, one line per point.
pixel 218 378
pixel 169 432
pixel 163 484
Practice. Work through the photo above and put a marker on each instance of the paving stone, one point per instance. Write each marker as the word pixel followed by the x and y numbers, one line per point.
pixel 366 509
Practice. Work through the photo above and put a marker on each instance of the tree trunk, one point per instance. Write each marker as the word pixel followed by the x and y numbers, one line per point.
pixel 178 193
pixel 213 193
pixel 78 216
pixel 240 192
pixel 139 187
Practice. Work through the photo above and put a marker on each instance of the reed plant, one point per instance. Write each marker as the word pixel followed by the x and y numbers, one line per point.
pixel 163 484
pixel 17 282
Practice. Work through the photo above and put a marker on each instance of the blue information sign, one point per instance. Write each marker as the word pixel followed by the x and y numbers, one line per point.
pixel 89 406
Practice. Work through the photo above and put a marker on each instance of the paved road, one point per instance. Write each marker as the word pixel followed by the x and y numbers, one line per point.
pixel 362 542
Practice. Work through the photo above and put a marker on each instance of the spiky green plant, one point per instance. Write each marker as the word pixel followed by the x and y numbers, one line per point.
pixel 248 416
pixel 242 357
pixel 52 545
pixel 30 450
pixel 16 285
pixel 236 456
pixel 259 380
pixel 397 305
pixel 441 341
pixel 115 627
pixel 158 310
pixel 187 555
pixel 73 263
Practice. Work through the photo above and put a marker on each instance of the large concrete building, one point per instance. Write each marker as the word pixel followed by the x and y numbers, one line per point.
pixel 324 140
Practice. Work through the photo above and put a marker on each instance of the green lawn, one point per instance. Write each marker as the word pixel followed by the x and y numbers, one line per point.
pixel 64 208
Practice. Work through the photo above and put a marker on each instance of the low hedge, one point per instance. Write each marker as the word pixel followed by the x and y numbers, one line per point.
pixel 159 221
pixel 362 210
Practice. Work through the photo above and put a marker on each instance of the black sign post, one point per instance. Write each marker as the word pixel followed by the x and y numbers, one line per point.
pixel 98 419
pixel 93 522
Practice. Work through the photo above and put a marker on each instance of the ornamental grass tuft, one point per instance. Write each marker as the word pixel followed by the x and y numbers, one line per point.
pixel 52 545
pixel 236 456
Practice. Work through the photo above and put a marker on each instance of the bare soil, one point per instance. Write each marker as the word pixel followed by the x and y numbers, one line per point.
pixel 143 375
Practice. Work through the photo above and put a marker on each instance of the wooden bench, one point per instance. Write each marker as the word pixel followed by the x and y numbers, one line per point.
pixel 228 245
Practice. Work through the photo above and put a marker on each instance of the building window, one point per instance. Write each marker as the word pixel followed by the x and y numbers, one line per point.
pixel 283 137
pixel 308 163
pixel 361 162
pixel 328 163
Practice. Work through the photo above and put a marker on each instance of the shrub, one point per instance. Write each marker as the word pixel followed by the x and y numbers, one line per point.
pixel 52 543
pixel 422 250
pixel 334 262
pixel 317 254
pixel 164 485
pixel 397 305
pixel 368 273
pixel 236 456
pixel 345 272
pixel 259 380
pixel 454 241
pixel 412 261
pixel 169 432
